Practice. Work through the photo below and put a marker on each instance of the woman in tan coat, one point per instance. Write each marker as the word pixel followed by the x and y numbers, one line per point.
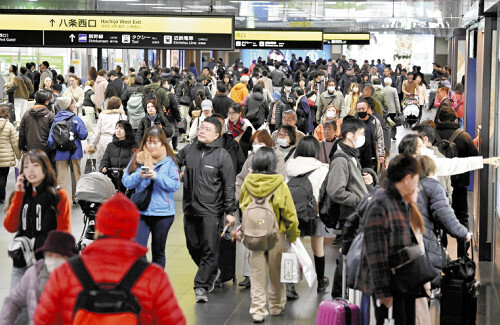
pixel 8 148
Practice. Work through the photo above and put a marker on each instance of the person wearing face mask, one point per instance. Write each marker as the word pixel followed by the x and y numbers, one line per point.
pixel 330 115
pixel 351 100
pixel 286 141
pixel 206 108
pixel 328 98
pixel 372 151
pixel 288 96
pixel 58 247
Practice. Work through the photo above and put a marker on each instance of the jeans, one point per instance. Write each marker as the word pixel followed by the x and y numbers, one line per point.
pixel 4 173
pixel 159 227
pixel 17 274
pixel 202 239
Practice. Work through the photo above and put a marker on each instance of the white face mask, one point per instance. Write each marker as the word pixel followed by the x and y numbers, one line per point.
pixel 330 114
pixel 355 89
pixel 288 89
pixel 331 89
pixel 53 263
pixel 359 142
pixel 256 147
pixel 283 142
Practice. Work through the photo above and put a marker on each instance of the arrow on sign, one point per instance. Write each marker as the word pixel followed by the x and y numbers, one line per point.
pixel 52 21
pixel 72 37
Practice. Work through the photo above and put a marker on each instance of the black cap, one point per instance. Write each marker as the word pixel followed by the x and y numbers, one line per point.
pixel 112 73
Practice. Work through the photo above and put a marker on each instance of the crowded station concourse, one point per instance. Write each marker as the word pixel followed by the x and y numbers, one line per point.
pixel 208 177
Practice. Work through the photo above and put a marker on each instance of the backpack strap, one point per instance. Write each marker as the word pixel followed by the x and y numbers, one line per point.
pixel 290 153
pixel 133 274
pixel 82 273
pixel 455 135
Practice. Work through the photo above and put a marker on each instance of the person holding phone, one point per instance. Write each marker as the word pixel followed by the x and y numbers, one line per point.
pixel 37 205
pixel 154 162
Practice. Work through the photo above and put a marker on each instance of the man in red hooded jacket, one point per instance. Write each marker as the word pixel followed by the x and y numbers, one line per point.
pixel 108 259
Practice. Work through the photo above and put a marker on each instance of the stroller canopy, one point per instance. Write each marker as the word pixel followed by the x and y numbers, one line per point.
pixel 94 187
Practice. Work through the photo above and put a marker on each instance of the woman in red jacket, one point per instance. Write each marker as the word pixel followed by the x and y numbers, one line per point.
pixel 37 206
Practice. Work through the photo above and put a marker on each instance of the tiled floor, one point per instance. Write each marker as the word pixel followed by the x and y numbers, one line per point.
pixel 230 305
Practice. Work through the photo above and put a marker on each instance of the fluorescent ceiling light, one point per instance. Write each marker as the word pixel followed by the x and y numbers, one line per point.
pixel 143 4
pixel 224 7
pixel 168 8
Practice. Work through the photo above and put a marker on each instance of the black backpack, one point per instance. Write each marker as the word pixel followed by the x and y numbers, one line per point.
pixel 106 302
pixel 329 211
pixel 63 135
pixel 449 148
pixel 303 197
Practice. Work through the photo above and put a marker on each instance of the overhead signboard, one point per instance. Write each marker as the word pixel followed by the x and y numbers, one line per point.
pixel 347 38
pixel 274 39
pixel 116 31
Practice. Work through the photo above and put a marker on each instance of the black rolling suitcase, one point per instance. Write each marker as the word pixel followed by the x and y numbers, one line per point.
pixel 459 292
pixel 226 260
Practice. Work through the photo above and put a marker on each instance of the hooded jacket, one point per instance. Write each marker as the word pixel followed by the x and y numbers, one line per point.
pixel 35 128
pixel 261 185
pixel 304 116
pixel 303 165
pixel 256 109
pixel 80 133
pixel 239 92
pixel 118 153
pixel 108 259
pixel 101 83
pixel 221 104
pixel 165 184
pixel 209 179
pixel 9 149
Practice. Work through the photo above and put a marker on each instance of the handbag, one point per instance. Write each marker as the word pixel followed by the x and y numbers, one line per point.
pixel 399 119
pixel 411 269
pixel 90 165
pixel 353 260
pixel 21 250
pixel 143 198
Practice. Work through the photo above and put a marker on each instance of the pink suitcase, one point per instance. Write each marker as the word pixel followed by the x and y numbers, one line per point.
pixel 337 312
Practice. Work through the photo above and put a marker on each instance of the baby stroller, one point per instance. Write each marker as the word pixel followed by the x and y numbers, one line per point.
pixel 411 111
pixel 91 191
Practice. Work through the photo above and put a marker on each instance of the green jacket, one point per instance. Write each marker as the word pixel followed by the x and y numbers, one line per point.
pixel 261 185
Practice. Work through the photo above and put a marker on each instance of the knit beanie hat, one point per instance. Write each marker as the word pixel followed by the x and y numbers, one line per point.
pixel 63 102
pixel 117 217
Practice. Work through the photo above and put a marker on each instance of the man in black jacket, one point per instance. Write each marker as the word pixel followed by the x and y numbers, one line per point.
pixel 209 199
pixel 442 94
pixel 116 82
pixel 465 147
pixel 221 102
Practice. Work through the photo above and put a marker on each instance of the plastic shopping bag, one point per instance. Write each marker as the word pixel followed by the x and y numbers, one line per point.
pixel 305 261
pixel 289 268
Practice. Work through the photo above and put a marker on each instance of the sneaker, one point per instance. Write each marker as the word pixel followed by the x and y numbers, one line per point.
pixel 291 294
pixel 245 283
pixel 323 284
pixel 201 295
pixel 214 281
pixel 258 319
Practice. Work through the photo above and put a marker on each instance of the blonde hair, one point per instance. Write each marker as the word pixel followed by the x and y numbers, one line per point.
pixel 427 166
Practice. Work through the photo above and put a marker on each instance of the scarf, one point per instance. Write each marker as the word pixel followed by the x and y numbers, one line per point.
pixel 236 129
pixel 152 119
pixel 147 158
pixel 353 152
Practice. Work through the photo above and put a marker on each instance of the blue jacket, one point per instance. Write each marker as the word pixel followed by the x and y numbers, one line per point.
pixel 194 71
pixel 166 183
pixel 80 131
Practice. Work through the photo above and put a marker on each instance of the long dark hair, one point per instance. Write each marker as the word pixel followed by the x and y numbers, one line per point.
pixel 408 145
pixel 264 161
pixel 153 132
pixel 49 183
pixel 127 127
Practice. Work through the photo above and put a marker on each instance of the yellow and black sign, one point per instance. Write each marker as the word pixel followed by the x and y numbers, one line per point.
pixel 278 39
pixel 124 31
pixel 347 38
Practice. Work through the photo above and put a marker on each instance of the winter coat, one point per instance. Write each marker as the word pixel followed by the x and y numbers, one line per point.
pixel 268 84
pixel 465 148
pixel 209 179
pixel 437 214
pixel 105 129
pixel 101 83
pixel 160 94
pixel 256 109
pixel 199 86
pixel 239 92
pixel 159 119
pixel 247 167
pixel 165 184
pixel 261 185
pixel 183 92
pixel 193 70
pixel 25 294
pixel 221 104
pixel 80 133
pixel 304 116
pixel 379 96
pixel 346 185
pixel 277 77
pixel 278 113
pixel 107 260
pixel 422 94
pixel 129 91
pixel 325 99
pixel 284 99
pixel 246 125
pixel 35 128
pixel 391 100
pixel 303 165
pixel 118 85
pixel 233 148
pixel 24 87
pixel 9 149
pixel 118 153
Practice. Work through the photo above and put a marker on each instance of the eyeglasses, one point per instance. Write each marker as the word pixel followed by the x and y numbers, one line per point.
pixel 206 129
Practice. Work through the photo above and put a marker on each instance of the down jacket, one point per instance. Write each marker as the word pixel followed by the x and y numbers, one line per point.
pixel 105 129
pixel 437 214
pixel 107 260
pixel 118 153
pixel 9 149
pixel 256 109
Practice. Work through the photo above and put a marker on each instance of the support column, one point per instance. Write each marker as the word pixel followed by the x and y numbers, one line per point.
pixel 99 59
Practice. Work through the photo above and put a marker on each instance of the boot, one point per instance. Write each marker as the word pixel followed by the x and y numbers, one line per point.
pixel 245 283
pixel 323 284
pixel 291 294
